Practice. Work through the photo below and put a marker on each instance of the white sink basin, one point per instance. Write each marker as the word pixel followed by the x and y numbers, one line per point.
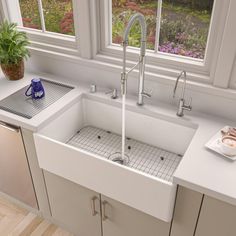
pixel 137 188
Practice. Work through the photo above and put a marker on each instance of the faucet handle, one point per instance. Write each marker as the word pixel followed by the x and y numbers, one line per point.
pixel 189 106
pixel 113 93
pixel 146 94
pixel 93 88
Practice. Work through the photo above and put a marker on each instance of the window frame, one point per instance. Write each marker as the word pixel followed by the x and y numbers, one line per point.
pixel 201 70
pixel 44 40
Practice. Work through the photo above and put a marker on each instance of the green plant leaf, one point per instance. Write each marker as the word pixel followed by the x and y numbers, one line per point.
pixel 13 44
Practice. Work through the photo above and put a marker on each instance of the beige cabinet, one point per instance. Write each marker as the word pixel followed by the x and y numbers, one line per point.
pixel 87 213
pixel 200 215
pixel 187 208
pixel 216 218
pixel 121 220
pixel 75 207
pixel 15 173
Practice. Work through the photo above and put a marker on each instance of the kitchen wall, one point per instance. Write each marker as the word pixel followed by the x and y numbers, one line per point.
pixel 211 101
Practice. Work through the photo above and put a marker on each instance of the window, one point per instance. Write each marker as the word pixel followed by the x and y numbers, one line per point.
pixel 49 24
pixel 173 26
pixel 48 15
pixel 191 35
pixel 181 35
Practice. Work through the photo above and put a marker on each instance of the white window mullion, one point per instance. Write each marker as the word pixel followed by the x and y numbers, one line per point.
pixel 105 12
pixel 41 14
pixel 84 25
pixel 158 25
pixel 76 24
pixel 12 13
pixel 4 14
pixel 95 25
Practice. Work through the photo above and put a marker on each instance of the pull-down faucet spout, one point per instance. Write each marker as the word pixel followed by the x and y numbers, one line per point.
pixel 141 62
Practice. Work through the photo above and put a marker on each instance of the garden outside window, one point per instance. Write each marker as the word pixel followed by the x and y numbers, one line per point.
pixel 173 26
pixel 48 15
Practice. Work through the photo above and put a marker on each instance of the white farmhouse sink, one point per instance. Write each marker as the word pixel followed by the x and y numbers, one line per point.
pixel 143 188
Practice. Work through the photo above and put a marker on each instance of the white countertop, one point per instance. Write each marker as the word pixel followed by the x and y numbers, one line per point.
pixel 8 87
pixel 205 171
pixel 200 169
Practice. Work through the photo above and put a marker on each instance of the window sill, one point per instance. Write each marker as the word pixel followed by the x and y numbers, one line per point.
pixel 51 41
pixel 115 49
pixel 163 63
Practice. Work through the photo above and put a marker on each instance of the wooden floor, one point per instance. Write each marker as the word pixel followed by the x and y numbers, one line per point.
pixel 15 221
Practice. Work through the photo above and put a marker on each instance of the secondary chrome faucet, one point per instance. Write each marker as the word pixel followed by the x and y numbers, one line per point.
pixel 113 92
pixel 140 63
pixel 182 105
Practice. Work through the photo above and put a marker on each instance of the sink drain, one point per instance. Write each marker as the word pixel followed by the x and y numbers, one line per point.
pixel 116 157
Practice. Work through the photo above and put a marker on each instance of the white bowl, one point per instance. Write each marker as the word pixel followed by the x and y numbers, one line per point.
pixel 228 145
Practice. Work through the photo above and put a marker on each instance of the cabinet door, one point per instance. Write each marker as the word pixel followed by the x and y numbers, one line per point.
pixel 75 207
pixel 217 218
pixel 121 220
pixel 15 176
pixel 187 207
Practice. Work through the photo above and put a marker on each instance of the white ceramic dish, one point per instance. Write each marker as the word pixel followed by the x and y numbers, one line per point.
pixel 228 148
pixel 214 144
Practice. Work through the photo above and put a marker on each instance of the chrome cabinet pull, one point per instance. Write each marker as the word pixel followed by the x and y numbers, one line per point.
pixel 93 202
pixel 104 216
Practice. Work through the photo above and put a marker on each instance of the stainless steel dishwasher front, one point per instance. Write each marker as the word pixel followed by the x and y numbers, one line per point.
pixel 15 176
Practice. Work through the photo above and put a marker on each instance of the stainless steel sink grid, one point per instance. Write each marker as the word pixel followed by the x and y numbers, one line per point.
pixel 143 157
pixel 17 103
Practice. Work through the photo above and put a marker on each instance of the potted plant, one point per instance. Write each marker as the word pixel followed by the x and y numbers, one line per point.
pixel 13 50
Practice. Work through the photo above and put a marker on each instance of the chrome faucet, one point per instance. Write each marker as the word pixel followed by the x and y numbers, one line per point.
pixel 140 63
pixel 113 92
pixel 182 105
